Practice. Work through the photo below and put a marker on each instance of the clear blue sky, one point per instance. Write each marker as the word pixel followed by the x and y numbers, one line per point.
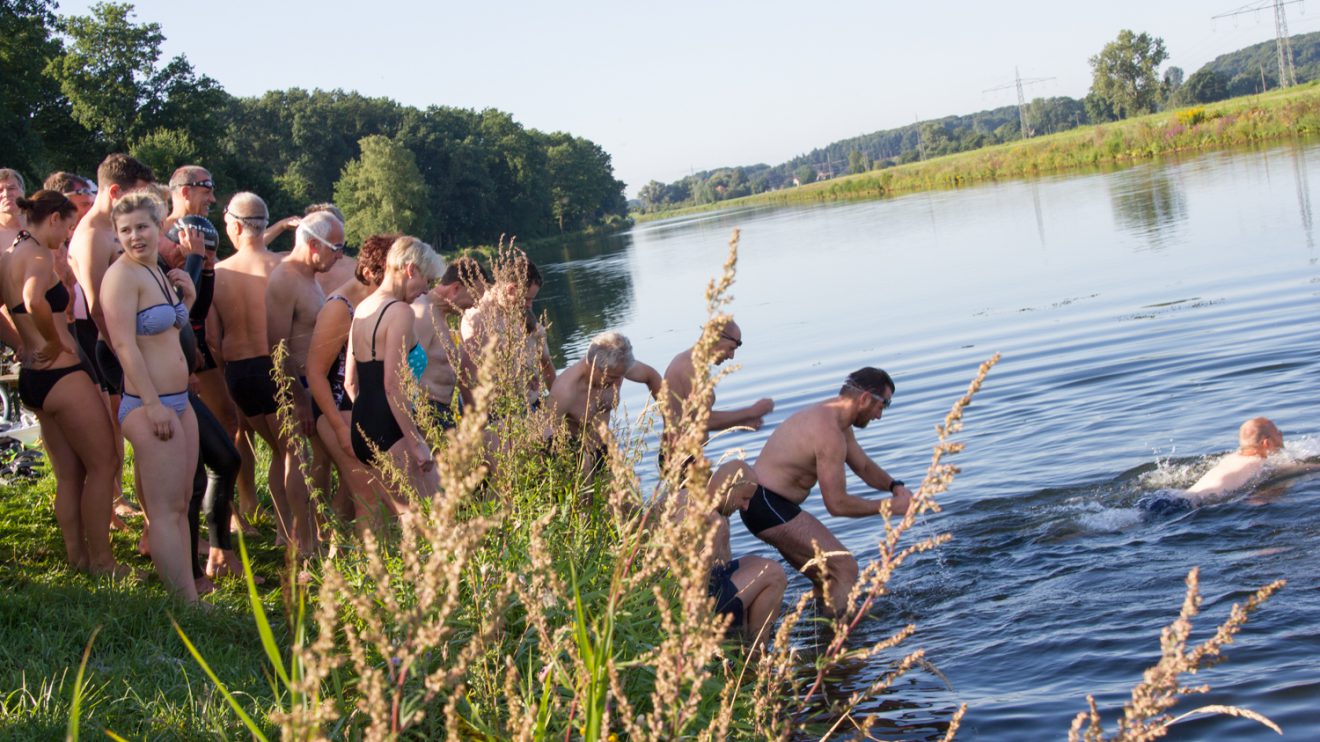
pixel 670 87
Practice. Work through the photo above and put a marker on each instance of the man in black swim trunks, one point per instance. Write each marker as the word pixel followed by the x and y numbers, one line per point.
pixel 749 589
pixel 813 445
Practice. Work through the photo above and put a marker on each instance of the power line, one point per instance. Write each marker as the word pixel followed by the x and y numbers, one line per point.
pixel 1018 82
pixel 1282 42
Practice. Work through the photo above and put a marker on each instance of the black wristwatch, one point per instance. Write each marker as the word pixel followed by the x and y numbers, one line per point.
pixel 895 484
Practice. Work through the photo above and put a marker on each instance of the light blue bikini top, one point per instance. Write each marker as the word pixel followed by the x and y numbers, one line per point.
pixel 158 318
pixel 417 361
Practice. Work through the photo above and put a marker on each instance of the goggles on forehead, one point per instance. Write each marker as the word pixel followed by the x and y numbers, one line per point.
pixel 337 248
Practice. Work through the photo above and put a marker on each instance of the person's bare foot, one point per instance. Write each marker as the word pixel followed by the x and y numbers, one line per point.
pixel 144 546
pixel 115 570
pixel 204 585
pixel 224 563
pixel 124 508
pixel 117 523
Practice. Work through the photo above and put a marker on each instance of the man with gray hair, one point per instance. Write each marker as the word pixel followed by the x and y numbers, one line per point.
pixel 584 396
pixel 293 299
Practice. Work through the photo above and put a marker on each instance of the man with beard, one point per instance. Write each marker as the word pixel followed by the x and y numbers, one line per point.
pixel 811 446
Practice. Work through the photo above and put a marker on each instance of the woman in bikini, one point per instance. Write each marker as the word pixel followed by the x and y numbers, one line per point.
pixel 383 348
pixel 331 405
pixel 54 383
pixel 143 315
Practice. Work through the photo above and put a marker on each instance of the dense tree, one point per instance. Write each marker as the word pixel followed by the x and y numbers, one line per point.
pixel 805 174
pixel 109 74
pixel 1125 74
pixel 382 191
pixel 1204 86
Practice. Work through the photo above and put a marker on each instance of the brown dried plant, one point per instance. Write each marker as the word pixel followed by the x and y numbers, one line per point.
pixel 1145 716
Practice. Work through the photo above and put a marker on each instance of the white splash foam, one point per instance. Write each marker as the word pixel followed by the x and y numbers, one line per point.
pixel 1108 520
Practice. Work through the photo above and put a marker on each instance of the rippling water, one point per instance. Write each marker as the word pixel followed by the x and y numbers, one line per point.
pixel 1142 316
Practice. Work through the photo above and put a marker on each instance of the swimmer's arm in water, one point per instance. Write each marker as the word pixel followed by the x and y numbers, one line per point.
pixel 1290 471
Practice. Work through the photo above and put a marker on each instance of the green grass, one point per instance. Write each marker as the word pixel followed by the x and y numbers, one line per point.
pixel 1279 114
pixel 140 681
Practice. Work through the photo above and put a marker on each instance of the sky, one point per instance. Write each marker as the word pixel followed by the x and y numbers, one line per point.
pixel 675 87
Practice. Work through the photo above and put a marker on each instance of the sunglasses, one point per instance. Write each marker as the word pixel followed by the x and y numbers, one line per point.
pixel 82 192
pixel 208 183
pixel 737 343
pixel 884 403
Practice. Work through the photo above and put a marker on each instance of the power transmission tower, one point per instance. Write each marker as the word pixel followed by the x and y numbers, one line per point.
pixel 1018 82
pixel 1282 42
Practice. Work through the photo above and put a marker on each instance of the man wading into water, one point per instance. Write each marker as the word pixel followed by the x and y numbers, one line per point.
pixel 813 445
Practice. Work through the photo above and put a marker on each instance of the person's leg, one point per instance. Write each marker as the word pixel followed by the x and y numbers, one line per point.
pixel 74 405
pixel 165 489
pixel 297 495
pixel 217 452
pixel 798 541
pixel 215 395
pixel 354 480
pixel 274 475
pixel 761 585
pixel 69 474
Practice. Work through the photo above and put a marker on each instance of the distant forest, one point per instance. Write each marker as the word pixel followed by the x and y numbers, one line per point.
pixel 1242 72
pixel 76 88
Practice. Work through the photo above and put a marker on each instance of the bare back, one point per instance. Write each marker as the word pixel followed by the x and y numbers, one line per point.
pixel 435 337
pixel 239 302
pixel 787 463
pixel 92 250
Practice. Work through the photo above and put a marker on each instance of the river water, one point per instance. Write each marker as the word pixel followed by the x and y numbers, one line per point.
pixel 1142 315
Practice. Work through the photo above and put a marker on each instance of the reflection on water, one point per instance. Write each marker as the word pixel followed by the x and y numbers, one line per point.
pixel 588 289
pixel 1149 202
pixel 1163 306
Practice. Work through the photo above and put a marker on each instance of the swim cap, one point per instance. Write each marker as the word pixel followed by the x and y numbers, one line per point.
pixel 210 237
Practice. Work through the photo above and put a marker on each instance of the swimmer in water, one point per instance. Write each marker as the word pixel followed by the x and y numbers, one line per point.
pixel 1258 438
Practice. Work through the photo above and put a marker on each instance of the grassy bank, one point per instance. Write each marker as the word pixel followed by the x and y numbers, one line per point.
pixel 1276 115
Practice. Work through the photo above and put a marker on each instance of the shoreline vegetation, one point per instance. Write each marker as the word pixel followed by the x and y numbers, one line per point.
pixel 523 602
pixel 1272 116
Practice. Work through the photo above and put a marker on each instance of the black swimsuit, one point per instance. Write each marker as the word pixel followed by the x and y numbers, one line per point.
pixel 767 510
pixel 34 385
pixel 373 421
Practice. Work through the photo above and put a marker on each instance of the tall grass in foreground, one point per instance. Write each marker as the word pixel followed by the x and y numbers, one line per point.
pixel 531 599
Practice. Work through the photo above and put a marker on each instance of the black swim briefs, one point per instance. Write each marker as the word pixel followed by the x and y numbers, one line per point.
pixel 252 386
pixel 767 510
pixel 725 593
pixel 1163 503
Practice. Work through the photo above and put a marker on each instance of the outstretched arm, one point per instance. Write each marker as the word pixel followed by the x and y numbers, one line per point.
pixel 751 416
pixel 871 473
pixel 644 374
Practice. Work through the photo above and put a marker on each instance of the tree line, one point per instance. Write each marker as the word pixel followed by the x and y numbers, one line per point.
pixel 75 88
pixel 1126 81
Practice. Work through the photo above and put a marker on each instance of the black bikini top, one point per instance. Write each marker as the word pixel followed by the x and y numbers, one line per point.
pixel 56 296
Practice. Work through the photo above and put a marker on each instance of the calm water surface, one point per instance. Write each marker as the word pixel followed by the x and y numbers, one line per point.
pixel 1142 316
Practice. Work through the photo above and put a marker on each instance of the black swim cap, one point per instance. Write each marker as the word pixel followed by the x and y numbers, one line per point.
pixel 210 237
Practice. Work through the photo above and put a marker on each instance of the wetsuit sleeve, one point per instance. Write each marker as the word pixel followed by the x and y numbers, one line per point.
pixel 205 293
pixel 193 267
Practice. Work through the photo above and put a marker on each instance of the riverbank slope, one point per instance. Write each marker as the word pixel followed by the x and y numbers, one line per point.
pixel 1274 115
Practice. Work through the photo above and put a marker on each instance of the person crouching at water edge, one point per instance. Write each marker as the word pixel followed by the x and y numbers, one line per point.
pixel 1258 439
pixel 384 349
pixel 813 445
pixel 584 396
pixel 143 316
pixel 749 590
